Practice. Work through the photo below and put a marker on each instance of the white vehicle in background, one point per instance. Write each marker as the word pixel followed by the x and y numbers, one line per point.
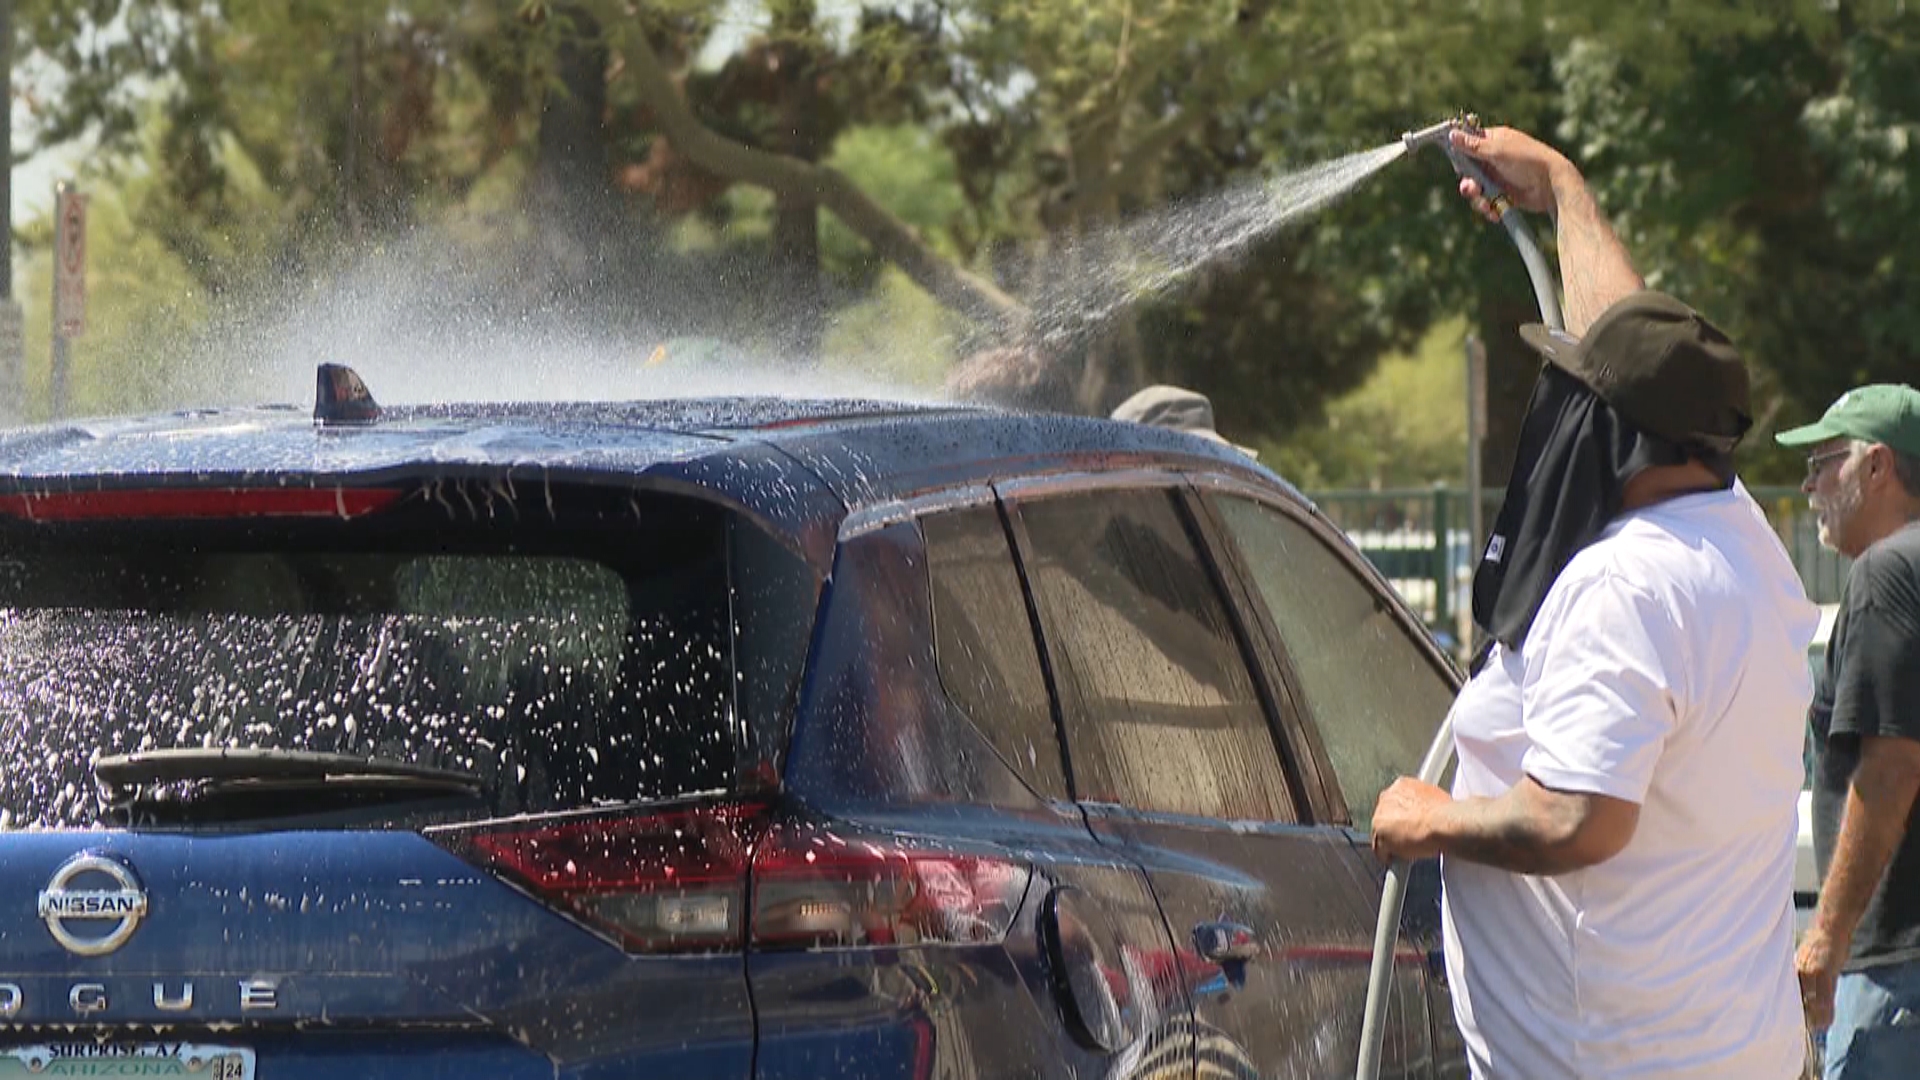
pixel 1806 873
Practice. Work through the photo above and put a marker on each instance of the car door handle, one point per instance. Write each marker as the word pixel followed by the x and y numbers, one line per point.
pixel 1225 942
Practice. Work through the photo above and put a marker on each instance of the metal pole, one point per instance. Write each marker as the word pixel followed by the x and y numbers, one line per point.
pixel 1476 481
pixel 58 391
pixel 12 337
pixel 57 380
pixel 1442 565
pixel 6 143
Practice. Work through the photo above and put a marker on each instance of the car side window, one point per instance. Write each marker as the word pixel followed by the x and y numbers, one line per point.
pixel 983 642
pixel 1160 709
pixel 1376 696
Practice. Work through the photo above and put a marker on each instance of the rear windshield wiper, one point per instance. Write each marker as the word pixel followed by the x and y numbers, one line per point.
pixel 152 779
pixel 256 763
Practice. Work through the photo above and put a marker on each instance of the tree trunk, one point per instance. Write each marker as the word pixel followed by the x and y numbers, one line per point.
pixel 1512 368
pixel 350 169
pixel 1113 364
pixel 571 192
pixel 796 213
pixel 890 238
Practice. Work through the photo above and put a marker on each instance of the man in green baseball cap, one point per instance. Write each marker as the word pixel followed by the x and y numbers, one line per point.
pixel 1859 961
pixel 1882 420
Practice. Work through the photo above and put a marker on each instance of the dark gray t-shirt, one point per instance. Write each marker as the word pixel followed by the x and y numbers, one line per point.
pixel 1871 686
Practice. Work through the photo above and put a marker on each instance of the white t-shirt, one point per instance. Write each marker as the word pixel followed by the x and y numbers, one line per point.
pixel 1667 666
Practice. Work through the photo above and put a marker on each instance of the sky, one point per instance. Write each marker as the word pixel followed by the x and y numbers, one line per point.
pixel 34 178
pixel 33 181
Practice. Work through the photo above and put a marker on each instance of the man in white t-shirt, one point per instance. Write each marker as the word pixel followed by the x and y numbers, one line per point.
pixel 1617 849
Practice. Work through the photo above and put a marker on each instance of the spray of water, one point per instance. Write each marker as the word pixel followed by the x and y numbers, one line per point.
pixel 1086 283
pixel 439 317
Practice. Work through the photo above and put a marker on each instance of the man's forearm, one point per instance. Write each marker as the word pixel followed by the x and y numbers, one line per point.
pixel 1515 832
pixel 1878 803
pixel 1595 269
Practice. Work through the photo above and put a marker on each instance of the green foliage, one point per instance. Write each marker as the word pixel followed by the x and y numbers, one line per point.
pixel 907 171
pixel 142 311
pixel 1406 426
pixel 897 336
pixel 1765 168
pixel 1763 161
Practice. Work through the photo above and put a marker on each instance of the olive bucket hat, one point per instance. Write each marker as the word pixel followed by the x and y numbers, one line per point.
pixel 1662 366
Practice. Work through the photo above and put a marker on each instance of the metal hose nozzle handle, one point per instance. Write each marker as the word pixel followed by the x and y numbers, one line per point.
pixel 1440 136
pixel 1437 135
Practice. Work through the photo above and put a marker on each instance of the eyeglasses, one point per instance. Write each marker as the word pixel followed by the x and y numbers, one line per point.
pixel 1818 462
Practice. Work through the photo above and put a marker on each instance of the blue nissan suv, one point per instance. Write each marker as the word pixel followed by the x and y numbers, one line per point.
pixel 724 738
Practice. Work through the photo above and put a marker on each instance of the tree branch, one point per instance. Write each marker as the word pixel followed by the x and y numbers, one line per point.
pixel 890 237
pixel 1169 131
pixel 1160 138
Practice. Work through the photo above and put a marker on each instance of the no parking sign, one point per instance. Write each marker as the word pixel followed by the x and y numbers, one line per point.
pixel 70 263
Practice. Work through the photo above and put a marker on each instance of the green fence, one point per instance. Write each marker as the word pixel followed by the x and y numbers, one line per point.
pixel 1421 539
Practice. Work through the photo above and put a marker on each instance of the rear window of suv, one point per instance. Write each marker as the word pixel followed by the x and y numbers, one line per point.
pixel 577 652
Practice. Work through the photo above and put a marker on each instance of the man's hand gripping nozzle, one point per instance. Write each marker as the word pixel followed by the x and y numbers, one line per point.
pixel 1440 136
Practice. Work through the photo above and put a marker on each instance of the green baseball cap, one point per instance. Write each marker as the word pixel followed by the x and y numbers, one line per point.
pixel 1886 413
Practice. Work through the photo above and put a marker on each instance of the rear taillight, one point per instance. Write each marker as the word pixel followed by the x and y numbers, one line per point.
pixel 677 881
pixel 816 888
pixel 666 882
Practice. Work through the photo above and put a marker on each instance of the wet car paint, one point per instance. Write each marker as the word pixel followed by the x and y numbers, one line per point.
pixel 1306 893
pixel 358 931
pixel 876 743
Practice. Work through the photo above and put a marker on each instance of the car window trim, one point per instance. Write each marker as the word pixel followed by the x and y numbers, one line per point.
pixel 1308 517
pixel 878 516
pixel 1302 756
pixel 1021 546
pixel 1015 493
pixel 935 507
pixel 881 515
pixel 1033 487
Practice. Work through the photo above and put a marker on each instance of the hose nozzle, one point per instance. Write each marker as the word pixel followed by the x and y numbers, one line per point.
pixel 1437 134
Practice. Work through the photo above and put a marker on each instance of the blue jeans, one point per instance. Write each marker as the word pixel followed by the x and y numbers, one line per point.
pixel 1876 1024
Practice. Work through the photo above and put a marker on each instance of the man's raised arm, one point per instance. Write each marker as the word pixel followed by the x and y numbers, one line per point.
pixel 1595 269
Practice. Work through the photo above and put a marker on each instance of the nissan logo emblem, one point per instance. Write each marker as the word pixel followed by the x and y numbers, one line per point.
pixel 94 889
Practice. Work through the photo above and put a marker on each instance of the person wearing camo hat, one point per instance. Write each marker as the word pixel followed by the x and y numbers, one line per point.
pixel 1178 408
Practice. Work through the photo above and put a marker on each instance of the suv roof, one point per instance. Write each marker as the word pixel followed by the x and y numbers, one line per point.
pixel 798 465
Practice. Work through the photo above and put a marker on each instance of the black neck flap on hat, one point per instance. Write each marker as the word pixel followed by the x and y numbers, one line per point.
pixel 1570 474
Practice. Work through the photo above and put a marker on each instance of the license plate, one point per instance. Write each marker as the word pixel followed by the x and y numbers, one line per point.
pixel 110 1059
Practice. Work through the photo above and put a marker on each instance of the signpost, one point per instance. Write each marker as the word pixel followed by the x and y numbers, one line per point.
pixel 1476 437
pixel 13 352
pixel 69 283
pixel 13 343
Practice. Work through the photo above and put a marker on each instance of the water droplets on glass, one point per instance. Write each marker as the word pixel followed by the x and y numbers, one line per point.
pixel 541 674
